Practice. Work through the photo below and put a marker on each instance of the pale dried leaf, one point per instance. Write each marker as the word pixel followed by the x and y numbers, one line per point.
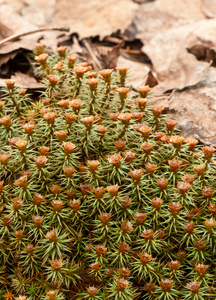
pixel 138 72
pixel 209 8
pixel 195 109
pixel 95 17
pixel 174 66
pixel 109 59
pixel 26 81
pixel 183 9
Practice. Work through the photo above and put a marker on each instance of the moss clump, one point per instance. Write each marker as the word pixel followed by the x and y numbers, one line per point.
pixel 100 197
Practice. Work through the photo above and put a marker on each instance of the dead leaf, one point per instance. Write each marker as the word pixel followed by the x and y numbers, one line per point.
pixel 26 81
pixel 184 9
pixel 109 59
pixel 209 8
pixel 138 72
pixel 5 31
pixel 94 17
pixel 174 66
pixel 10 50
pixel 151 81
pixel 195 109
pixel 204 53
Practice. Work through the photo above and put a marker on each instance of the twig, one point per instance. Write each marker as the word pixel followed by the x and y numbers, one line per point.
pixel 93 56
pixel 18 36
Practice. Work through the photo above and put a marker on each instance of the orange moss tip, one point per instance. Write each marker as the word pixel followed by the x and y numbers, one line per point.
pixel 29 127
pixel 42 58
pixel 174 265
pixel 147 147
pixel 93 82
pixel 120 145
pixel 175 207
pixel 40 48
pixel 126 226
pixel 62 51
pixel 61 134
pixel 76 104
pixel 57 205
pixel 50 117
pixel 75 204
pixel 121 284
pixel 140 218
pixel 148 234
pixel 99 191
pixel 44 150
pixel 183 187
pixel 88 121
pixel 105 217
pixel 166 284
pixel 10 83
pixel 93 165
pixel 125 118
pixel 122 71
pixel 63 103
pixel 40 161
pixel 22 182
pixel 53 79
pixel 128 156
pixel 70 117
pixel 2 103
pixel 68 148
pixel 115 160
pixel 4 158
pixel 55 189
pixel 150 168
pixel 92 291
pixel 51 235
pixel 106 74
pixel 177 141
pixel 38 199
pixel 157 111
pixel 6 121
pixel 144 90
pixel 144 129
pixel 193 287
pixel 71 61
pixel 80 71
pixel 170 124
pixel 157 202
pixel 136 175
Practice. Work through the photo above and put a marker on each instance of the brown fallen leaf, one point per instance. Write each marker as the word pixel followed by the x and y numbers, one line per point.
pixel 204 53
pixel 10 50
pixel 4 31
pixel 109 59
pixel 174 66
pixel 209 8
pixel 184 9
pixel 138 72
pixel 24 81
pixel 94 17
pixel 195 109
pixel 151 81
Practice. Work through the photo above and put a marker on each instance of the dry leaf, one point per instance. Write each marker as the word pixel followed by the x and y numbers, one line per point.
pixel 151 81
pixel 183 9
pixel 26 81
pixel 94 17
pixel 174 66
pixel 138 72
pixel 109 59
pixel 209 8
pixel 195 109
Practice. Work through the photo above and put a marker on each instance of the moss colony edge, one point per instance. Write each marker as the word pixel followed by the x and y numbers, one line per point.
pixel 100 197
